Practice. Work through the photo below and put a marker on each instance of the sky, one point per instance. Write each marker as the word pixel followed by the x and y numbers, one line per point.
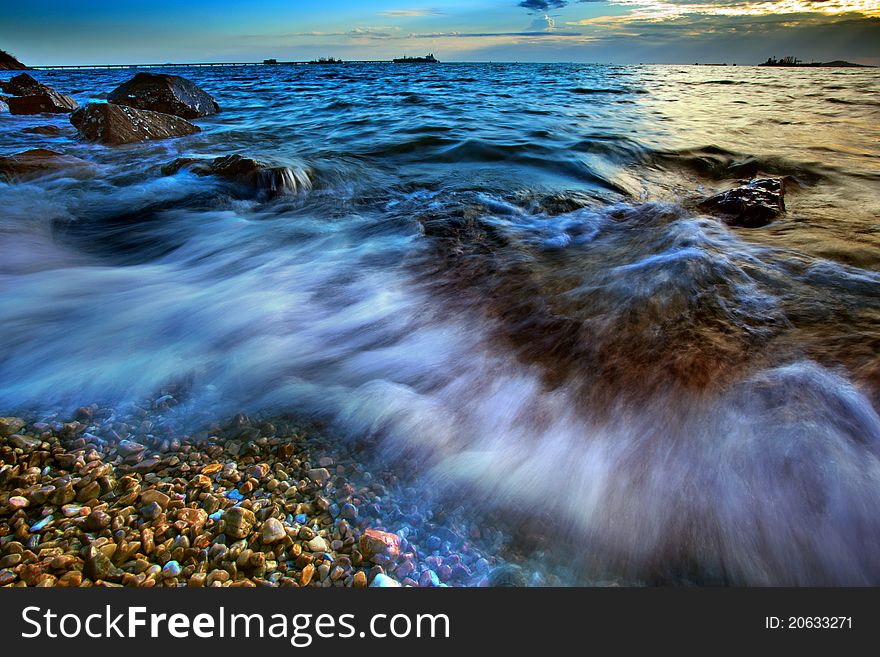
pixel 51 32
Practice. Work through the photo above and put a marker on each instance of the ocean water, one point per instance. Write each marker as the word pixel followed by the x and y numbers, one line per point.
pixel 496 274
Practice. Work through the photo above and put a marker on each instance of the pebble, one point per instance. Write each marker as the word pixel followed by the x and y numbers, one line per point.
pixel 273 531
pixel 17 502
pixel 383 582
pixel 98 508
pixel 171 569
pixel 317 544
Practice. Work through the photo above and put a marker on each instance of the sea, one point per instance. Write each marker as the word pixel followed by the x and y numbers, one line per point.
pixel 497 276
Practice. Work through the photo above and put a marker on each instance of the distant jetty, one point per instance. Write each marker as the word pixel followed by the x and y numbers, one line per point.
pixel 794 61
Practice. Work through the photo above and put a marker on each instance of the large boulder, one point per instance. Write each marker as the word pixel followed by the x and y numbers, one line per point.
pixel 37 162
pixel 749 206
pixel 114 124
pixel 170 94
pixel 247 172
pixel 32 97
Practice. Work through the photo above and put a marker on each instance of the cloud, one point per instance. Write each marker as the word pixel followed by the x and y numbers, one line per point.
pixel 542 5
pixel 407 13
pixel 546 23
pixel 478 35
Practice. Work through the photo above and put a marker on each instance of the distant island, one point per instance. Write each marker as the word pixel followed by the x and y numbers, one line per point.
pixel 794 61
pixel 10 63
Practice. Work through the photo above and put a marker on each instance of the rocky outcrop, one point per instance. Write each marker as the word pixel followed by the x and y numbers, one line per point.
pixel 169 94
pixel 10 63
pixel 4 106
pixel 250 173
pixel 114 124
pixel 749 206
pixel 32 97
pixel 37 162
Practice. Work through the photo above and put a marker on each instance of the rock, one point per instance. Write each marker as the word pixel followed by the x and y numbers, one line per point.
pixel 239 522
pixel 50 103
pixel 349 511
pixel 509 575
pixel 4 106
pixel 360 580
pixel 47 130
pixel 319 475
pixel 306 576
pixel 157 496
pixel 749 206
pixel 211 469
pixel 10 63
pixel 169 94
pixel 25 443
pixel 195 518
pixel 23 85
pixel 171 569
pixel 37 162
pixel 97 520
pixel 382 581
pixel 32 97
pixel 317 544
pixel 10 425
pixel 114 124
pixel 129 447
pixel 247 172
pixel 273 531
pixel 151 511
pixel 379 547
pixel 147 465
pixel 17 502
pixel 98 566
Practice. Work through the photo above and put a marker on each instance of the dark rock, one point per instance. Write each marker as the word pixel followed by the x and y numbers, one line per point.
pixel 48 130
pixel 10 63
pixel 749 206
pixel 114 124
pixel 245 171
pixel 23 85
pixel 508 575
pixel 37 161
pixel 169 94
pixel 32 97
pixel 49 103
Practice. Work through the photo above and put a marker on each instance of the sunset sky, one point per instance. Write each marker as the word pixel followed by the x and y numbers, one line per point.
pixel 615 31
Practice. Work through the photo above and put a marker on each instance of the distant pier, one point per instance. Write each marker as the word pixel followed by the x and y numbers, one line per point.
pixel 204 64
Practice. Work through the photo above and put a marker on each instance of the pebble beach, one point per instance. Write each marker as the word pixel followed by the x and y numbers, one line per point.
pixel 112 499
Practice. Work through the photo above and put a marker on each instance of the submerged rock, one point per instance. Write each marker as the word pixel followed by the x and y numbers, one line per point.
pixel 36 162
pixel 379 547
pixel 32 97
pixel 248 172
pixel 749 206
pixel 114 124
pixel 169 94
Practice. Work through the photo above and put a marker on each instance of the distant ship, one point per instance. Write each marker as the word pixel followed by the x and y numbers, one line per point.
pixel 429 59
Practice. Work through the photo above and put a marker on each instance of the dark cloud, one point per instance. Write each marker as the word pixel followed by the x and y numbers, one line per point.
pixel 547 5
pixel 542 5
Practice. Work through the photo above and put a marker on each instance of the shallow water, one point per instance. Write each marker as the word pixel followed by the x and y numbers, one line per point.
pixel 495 271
